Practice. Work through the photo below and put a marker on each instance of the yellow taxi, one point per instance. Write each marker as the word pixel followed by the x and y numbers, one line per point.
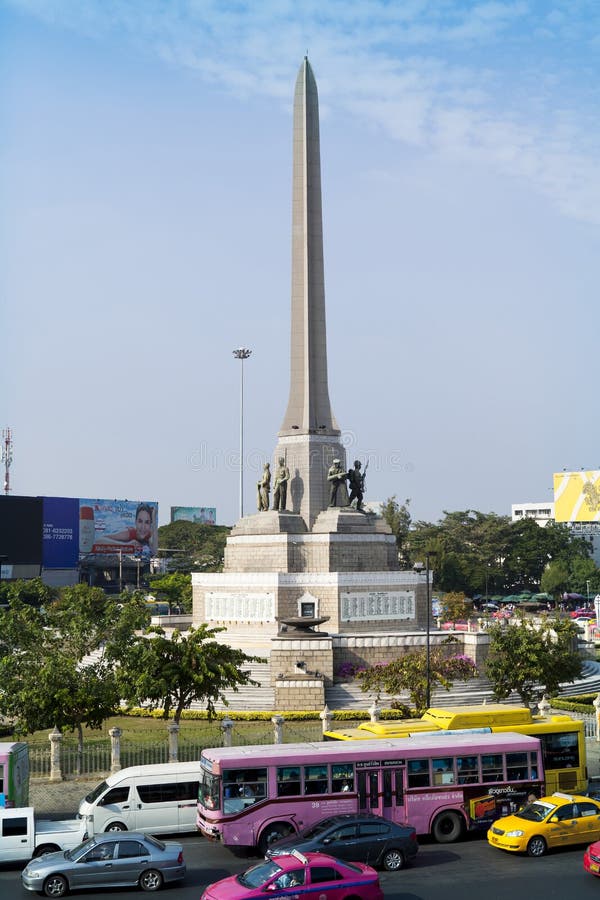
pixel 555 821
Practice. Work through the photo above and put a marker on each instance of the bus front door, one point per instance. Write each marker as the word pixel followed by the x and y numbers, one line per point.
pixel 369 795
pixel 381 791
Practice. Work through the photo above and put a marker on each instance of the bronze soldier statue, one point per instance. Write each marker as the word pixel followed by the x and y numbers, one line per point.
pixel 264 488
pixel 356 480
pixel 282 476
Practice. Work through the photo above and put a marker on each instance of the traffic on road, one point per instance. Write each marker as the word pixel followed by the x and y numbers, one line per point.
pixel 439 872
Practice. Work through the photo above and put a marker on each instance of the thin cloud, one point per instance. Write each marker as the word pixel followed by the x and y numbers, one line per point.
pixel 485 83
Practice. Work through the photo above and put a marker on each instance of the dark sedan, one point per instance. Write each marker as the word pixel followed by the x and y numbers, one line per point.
pixel 114 859
pixel 359 838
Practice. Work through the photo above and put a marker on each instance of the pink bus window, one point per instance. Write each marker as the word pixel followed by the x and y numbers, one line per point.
pixel 418 773
pixel 315 779
pixel 288 781
pixel 491 767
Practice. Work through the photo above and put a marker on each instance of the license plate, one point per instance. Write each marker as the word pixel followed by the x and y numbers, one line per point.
pixel 594 867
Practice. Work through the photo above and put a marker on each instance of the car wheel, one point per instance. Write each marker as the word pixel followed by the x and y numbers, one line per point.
pixel 151 880
pixel 537 846
pixel 273 833
pixel 47 848
pixel 116 826
pixel 55 886
pixel 393 860
pixel 448 828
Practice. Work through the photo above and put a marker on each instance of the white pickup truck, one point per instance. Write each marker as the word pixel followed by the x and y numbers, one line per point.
pixel 23 836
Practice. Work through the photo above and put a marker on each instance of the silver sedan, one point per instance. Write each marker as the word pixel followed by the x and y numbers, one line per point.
pixel 114 859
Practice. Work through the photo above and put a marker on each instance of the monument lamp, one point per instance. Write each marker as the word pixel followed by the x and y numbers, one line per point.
pixel 419 567
pixel 242 353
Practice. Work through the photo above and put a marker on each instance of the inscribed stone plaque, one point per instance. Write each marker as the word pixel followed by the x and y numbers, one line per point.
pixel 377 605
pixel 244 607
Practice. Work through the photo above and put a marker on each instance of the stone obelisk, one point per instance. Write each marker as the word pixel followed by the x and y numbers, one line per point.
pixel 309 438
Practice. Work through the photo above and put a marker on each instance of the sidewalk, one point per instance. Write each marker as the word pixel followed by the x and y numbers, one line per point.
pixel 61 800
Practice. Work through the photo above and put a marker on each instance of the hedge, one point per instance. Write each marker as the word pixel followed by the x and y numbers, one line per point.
pixel 296 715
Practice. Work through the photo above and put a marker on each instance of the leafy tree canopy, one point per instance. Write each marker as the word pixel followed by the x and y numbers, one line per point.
pixel 409 673
pixel 44 676
pixel 524 658
pixel 486 554
pixel 192 546
pixel 175 588
pixel 398 518
pixel 172 671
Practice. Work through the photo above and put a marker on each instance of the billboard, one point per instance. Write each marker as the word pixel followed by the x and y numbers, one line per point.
pixel 114 526
pixel 60 545
pixel 577 496
pixel 20 530
pixel 205 515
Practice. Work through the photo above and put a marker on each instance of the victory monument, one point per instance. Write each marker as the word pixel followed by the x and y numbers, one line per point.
pixel 308 558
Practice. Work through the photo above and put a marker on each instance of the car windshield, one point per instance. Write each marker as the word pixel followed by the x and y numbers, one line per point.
pixel 80 848
pixel 93 795
pixel 258 875
pixel 536 812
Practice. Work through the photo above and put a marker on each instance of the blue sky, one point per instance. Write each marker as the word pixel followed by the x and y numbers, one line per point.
pixel 145 170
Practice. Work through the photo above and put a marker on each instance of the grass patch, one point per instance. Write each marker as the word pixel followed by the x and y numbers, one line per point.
pixel 150 730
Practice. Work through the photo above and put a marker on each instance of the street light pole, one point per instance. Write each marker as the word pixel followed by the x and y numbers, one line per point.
pixel 242 353
pixel 418 567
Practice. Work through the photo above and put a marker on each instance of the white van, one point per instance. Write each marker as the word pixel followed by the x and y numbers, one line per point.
pixel 159 799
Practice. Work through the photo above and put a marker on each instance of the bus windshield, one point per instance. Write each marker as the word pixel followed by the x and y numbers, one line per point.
pixel 209 790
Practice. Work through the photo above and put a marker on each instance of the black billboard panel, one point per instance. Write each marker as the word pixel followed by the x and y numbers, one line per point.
pixel 21 530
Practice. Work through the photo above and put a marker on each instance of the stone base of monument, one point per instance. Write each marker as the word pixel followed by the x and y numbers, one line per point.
pixel 270 522
pixel 347 520
pixel 303 692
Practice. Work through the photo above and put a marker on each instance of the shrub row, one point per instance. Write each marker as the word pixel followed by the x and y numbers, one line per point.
pixel 340 715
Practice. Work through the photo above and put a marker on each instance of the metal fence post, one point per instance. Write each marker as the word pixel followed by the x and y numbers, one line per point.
pixel 115 748
pixel 375 713
pixel 278 735
pixel 173 729
pixel 55 738
pixel 227 728
pixel 326 718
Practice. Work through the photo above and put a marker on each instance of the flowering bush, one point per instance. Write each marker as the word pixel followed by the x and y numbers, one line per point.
pixel 347 670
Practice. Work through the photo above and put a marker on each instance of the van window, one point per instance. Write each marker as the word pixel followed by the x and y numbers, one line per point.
pixel 116 795
pixel 157 793
pixel 187 790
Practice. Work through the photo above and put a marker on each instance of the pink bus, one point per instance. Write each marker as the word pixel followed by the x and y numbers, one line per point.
pixel 443 784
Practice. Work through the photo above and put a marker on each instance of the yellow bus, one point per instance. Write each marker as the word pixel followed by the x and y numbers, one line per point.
pixel 562 737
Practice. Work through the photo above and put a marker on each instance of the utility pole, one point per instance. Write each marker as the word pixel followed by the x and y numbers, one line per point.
pixel 6 455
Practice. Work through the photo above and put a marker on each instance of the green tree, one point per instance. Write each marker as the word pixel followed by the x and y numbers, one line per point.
pixel 175 588
pixel 45 676
pixel 455 607
pixel 32 591
pixel 193 547
pixel 409 673
pixel 555 578
pixel 171 672
pixel 398 518
pixel 523 658
pixel 483 553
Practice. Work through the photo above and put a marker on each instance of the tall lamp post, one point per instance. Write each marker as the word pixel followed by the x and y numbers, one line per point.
pixel 418 568
pixel 242 353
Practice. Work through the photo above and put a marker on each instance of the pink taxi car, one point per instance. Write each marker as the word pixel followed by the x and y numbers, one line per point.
pixel 298 874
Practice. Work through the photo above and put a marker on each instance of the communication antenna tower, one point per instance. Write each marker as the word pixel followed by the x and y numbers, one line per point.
pixel 6 455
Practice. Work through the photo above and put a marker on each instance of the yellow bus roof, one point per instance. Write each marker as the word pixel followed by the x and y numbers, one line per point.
pixel 476 716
